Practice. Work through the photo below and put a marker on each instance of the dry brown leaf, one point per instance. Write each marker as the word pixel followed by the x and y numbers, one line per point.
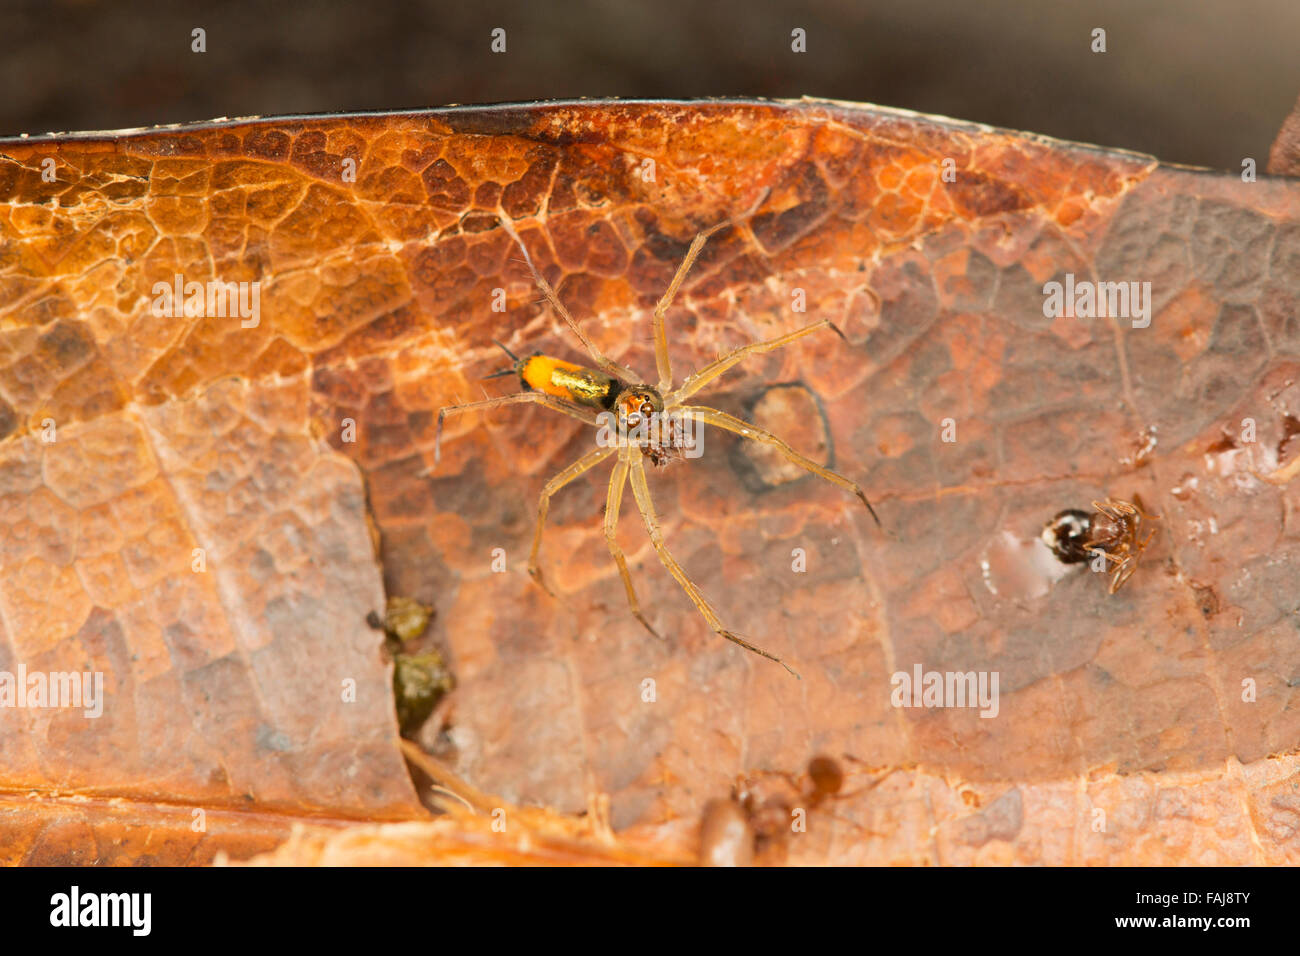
pixel 224 688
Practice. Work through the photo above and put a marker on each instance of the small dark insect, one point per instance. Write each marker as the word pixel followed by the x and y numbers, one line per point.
pixel 825 778
pixel 773 804
pixel 1116 535
pixel 1113 534
pixel 822 780
pixel 651 425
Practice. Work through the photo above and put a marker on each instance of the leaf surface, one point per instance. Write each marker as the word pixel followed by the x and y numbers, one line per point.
pixel 225 688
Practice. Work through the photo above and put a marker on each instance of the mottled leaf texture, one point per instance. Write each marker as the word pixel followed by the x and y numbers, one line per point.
pixel 1155 725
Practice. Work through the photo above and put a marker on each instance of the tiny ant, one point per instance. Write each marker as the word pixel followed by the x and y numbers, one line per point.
pixel 760 814
pixel 1116 536
pixel 1113 534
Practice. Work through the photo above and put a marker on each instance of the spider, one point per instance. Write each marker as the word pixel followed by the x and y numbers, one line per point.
pixel 649 422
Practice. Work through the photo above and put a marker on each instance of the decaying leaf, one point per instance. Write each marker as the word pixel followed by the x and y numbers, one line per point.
pixel 186 501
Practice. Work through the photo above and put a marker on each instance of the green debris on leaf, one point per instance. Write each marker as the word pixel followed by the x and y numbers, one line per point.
pixel 420 675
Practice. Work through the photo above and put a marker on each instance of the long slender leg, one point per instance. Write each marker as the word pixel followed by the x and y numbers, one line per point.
pixel 711 416
pixel 641 490
pixel 613 503
pixel 661 337
pixel 715 368
pixel 583 464
pixel 613 368
pixel 536 398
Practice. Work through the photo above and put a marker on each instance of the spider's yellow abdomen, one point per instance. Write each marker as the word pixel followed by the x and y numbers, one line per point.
pixel 553 376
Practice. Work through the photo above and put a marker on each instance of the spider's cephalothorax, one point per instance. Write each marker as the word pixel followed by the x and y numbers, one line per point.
pixel 652 423
pixel 637 404
pixel 663 435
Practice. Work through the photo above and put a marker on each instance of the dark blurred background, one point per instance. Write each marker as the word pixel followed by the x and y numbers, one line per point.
pixel 1204 82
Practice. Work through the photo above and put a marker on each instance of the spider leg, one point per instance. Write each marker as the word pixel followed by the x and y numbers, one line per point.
pixel 612 368
pixel 711 416
pixel 641 491
pixel 583 464
pixel 715 368
pixel 613 503
pixel 661 338
pixel 536 398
